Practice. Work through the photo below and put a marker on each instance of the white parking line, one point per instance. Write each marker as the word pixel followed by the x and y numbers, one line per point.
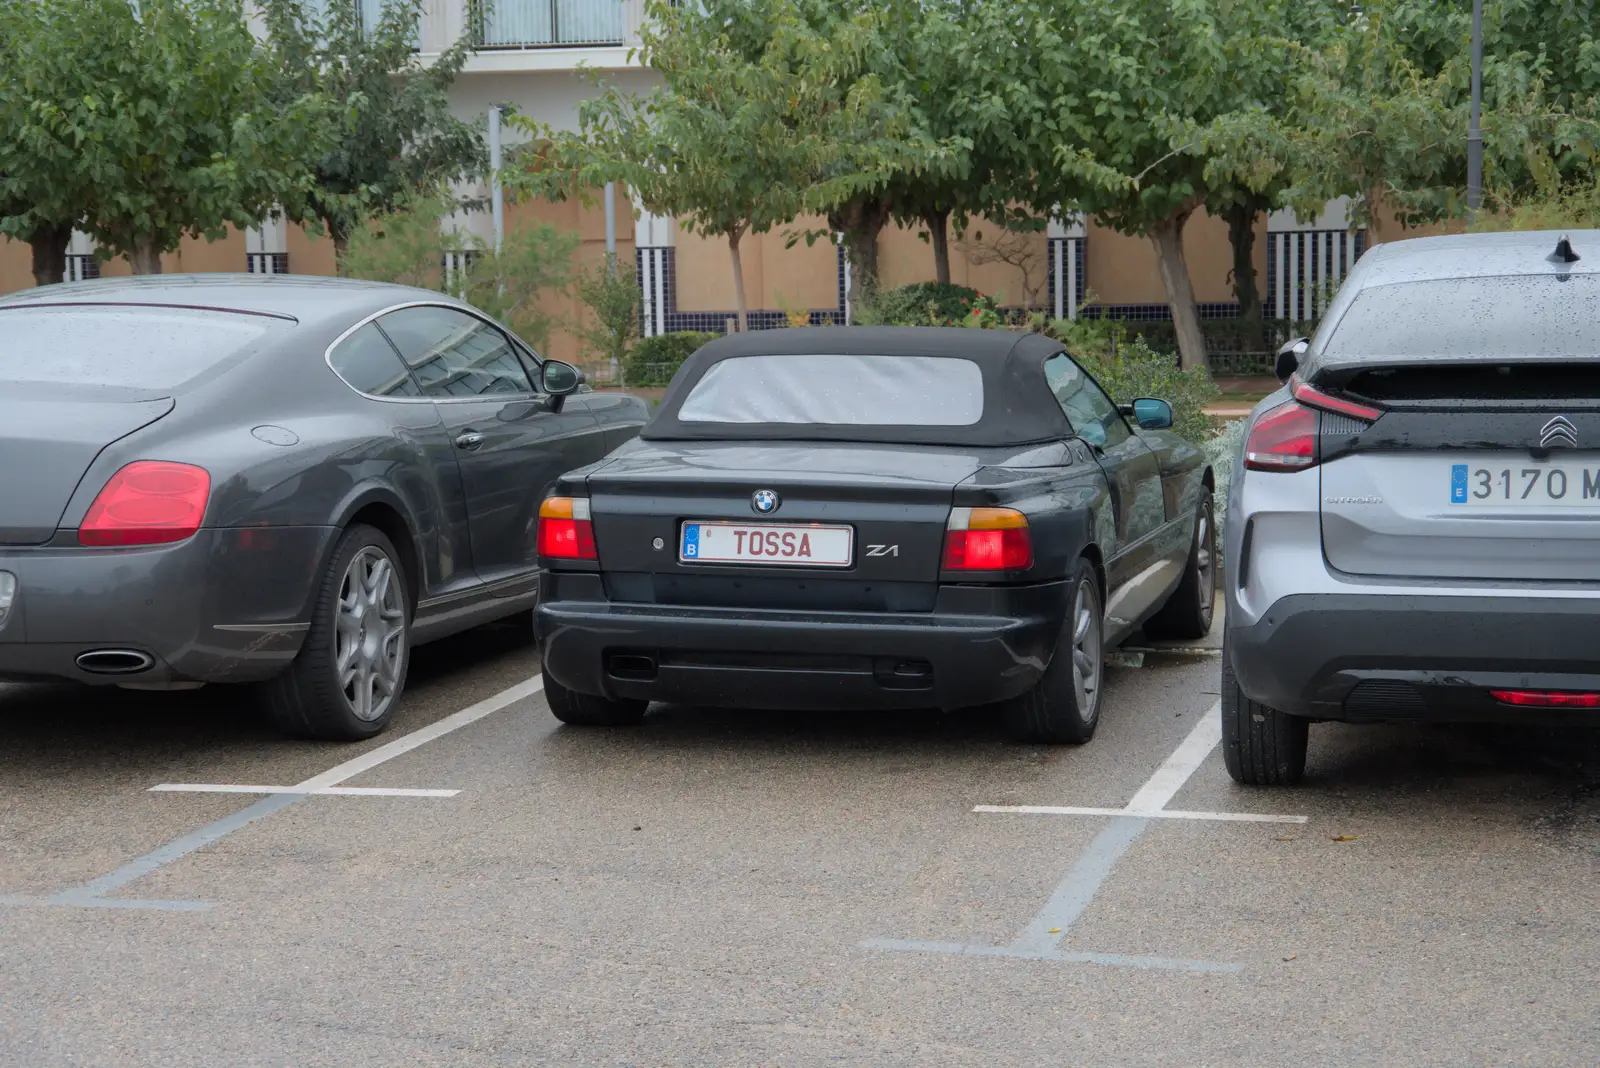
pixel 92 894
pixel 326 791
pixel 1042 937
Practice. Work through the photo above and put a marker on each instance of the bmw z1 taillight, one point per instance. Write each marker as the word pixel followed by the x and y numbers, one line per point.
pixel 565 529
pixel 150 502
pixel 987 539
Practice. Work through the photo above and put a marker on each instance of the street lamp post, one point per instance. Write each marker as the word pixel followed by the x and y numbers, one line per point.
pixel 1474 132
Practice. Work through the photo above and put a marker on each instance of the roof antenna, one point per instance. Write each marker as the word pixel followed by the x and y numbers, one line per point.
pixel 1563 252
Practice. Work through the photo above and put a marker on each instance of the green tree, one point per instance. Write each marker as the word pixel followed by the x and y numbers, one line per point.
pixel 1378 112
pixel 973 91
pixel 393 130
pixel 408 246
pixel 1121 80
pixel 732 144
pixel 610 290
pixel 165 110
pixel 41 188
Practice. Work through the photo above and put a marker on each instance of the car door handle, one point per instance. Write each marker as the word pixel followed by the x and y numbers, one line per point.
pixel 471 440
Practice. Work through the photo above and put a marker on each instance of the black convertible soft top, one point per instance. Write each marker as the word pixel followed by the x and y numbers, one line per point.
pixel 1018 407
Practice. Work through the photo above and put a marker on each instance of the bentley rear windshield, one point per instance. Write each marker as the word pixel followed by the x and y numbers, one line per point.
pixel 838 390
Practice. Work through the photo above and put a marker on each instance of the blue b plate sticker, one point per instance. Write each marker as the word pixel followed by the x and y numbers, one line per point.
pixel 1458 484
pixel 691 537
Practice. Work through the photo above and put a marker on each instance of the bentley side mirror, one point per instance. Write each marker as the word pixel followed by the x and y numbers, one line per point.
pixel 1289 357
pixel 1152 414
pixel 558 379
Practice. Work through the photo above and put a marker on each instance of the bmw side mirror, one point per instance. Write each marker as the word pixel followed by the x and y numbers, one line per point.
pixel 1289 357
pixel 1152 414
pixel 558 379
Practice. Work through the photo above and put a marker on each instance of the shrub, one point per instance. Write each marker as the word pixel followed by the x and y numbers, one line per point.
pixel 1131 368
pixel 654 360
pixel 611 292
pixel 1222 449
pixel 918 304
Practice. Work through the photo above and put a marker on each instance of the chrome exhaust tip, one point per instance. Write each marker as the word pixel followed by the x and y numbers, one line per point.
pixel 115 661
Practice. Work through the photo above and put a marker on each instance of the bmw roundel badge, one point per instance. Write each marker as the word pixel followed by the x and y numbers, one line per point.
pixel 765 501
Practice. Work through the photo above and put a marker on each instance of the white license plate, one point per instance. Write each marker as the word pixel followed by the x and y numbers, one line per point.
pixel 766 543
pixel 1519 483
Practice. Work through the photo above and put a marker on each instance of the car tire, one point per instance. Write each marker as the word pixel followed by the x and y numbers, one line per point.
pixel 589 710
pixel 1063 707
pixel 1260 746
pixel 351 671
pixel 1188 612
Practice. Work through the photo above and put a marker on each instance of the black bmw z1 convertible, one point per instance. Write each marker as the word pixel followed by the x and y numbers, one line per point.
pixel 865 518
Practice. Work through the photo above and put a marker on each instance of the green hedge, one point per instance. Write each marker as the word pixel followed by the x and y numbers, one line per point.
pixel 654 360
pixel 918 304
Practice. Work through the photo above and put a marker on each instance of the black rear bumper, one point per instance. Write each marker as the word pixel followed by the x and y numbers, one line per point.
pixel 1371 657
pixel 979 645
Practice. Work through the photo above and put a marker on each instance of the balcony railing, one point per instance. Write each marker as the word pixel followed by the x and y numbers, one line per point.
pixel 543 23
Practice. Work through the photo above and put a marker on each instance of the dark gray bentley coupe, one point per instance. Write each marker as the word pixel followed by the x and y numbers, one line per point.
pixel 872 518
pixel 272 480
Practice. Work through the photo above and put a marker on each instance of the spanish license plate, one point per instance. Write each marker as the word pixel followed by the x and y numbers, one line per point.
pixel 1520 484
pixel 786 545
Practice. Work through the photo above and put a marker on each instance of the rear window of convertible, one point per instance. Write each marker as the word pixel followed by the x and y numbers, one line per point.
pixel 118 345
pixel 858 390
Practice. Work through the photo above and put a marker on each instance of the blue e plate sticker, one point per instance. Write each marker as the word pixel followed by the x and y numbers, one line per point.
pixel 1458 484
pixel 691 535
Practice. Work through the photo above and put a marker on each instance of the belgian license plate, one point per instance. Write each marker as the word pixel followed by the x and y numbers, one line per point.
pixel 1521 484
pixel 784 545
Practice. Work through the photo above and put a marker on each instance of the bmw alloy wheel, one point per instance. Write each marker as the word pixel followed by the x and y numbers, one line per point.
pixel 1086 656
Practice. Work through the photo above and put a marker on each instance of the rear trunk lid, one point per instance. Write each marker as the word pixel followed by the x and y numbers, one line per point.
pixel 1476 471
pixel 893 501
pixel 49 435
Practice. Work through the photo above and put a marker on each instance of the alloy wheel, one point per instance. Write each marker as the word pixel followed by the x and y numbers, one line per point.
pixel 1086 655
pixel 370 634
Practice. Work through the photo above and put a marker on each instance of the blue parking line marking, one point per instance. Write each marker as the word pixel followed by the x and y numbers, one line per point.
pixel 71 899
pixel 179 848
pixel 1063 956
pixel 1074 893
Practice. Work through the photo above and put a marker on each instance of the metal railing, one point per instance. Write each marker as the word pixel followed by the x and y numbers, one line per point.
pixel 266 262
pixel 544 23
pixel 81 268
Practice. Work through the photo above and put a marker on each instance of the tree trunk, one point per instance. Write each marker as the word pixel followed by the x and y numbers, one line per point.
pixel 145 258
pixel 1375 216
pixel 861 221
pixel 1168 240
pixel 938 223
pixel 341 245
pixel 738 280
pixel 1241 219
pixel 49 245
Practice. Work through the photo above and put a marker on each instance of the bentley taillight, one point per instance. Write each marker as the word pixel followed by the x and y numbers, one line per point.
pixel 149 502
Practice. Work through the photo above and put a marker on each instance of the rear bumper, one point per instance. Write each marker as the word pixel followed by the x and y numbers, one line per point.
pixel 981 644
pixel 1378 657
pixel 228 605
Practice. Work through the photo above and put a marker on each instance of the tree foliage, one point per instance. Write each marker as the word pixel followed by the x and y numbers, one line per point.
pixel 149 121
pixel 1121 81
pixel 761 116
pixel 408 246
pixel 610 290
pixel 393 132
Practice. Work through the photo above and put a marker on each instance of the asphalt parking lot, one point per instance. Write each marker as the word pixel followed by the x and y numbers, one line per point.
pixel 726 888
